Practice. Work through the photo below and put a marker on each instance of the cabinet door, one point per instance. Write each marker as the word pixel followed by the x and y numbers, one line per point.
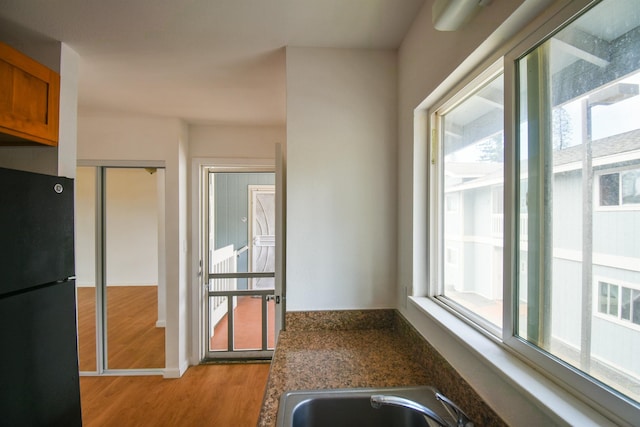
pixel 29 99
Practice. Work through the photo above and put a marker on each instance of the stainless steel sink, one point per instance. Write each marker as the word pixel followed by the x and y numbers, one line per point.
pixel 352 407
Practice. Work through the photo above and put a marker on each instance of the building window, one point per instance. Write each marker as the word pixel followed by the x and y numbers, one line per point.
pixel 452 256
pixel 619 302
pixel 630 305
pixel 608 299
pixel 609 189
pixel 452 202
pixel 566 154
pixel 619 188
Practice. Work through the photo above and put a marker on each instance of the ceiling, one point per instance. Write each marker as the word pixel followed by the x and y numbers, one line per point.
pixel 203 61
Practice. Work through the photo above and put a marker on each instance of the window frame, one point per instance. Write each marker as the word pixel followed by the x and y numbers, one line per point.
pixel 438 205
pixel 589 390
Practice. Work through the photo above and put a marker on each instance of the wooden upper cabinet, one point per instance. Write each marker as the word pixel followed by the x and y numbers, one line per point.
pixel 29 100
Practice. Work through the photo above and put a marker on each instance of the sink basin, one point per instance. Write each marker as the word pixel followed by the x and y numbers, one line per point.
pixel 352 407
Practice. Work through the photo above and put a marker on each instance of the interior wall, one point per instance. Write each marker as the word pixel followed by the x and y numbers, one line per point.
pixel 131 227
pixel 341 178
pixel 111 139
pixel 178 296
pixel 230 141
pixel 68 131
pixel 85 227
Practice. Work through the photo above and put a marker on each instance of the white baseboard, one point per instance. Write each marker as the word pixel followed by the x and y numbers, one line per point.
pixel 161 324
pixel 176 372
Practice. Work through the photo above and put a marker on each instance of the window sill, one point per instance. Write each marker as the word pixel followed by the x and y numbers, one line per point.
pixel 518 393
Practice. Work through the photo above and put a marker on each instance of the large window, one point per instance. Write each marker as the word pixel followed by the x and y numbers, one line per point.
pixel 593 87
pixel 472 135
pixel 568 165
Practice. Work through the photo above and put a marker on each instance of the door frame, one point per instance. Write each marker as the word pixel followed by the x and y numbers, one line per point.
pixel 200 167
pixel 100 229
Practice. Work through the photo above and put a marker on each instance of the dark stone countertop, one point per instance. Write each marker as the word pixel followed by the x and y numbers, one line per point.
pixel 330 359
pixel 361 349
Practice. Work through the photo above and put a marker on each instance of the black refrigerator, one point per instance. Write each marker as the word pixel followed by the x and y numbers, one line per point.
pixel 39 380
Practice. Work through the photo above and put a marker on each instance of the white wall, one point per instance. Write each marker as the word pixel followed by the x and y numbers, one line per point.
pixel 229 141
pixel 68 132
pixel 178 296
pixel 131 227
pixel 85 227
pixel 341 179
pixel 111 139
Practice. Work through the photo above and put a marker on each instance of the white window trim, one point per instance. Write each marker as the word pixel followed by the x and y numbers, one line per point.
pixel 537 400
pixel 523 397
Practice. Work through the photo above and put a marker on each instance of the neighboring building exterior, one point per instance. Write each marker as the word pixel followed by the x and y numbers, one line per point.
pixel 615 312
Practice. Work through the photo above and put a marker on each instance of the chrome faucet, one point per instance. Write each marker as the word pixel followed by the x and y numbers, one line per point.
pixel 378 400
pixel 462 420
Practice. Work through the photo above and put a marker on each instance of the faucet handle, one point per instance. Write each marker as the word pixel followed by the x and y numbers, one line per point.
pixel 462 418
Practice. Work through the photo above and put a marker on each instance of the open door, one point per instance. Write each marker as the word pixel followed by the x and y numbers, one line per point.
pixel 242 261
pixel 281 234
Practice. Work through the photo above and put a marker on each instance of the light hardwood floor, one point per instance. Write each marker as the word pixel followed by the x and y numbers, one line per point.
pixel 248 326
pixel 218 395
pixel 133 340
pixel 207 395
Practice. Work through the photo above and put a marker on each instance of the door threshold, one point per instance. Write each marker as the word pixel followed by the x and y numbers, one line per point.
pixel 230 361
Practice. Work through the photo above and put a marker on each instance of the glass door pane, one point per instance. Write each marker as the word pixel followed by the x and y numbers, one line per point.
pixel 134 338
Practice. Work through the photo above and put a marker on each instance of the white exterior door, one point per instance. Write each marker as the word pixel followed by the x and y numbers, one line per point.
pixel 262 241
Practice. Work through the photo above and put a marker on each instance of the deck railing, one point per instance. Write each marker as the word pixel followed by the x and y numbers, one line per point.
pixel 223 296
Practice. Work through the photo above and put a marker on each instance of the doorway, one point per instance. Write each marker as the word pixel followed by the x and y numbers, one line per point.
pixel 119 269
pixel 240 265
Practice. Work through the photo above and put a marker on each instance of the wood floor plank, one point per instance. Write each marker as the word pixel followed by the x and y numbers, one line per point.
pixel 207 395
pixel 133 339
pixel 86 301
pixel 135 342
